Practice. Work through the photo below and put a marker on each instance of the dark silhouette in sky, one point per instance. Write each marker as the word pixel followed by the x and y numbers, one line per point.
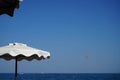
pixel 8 6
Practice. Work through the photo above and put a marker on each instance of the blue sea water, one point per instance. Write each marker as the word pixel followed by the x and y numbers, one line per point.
pixel 61 76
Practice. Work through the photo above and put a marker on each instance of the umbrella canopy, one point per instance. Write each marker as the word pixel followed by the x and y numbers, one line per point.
pixel 22 51
pixel 19 51
pixel 8 6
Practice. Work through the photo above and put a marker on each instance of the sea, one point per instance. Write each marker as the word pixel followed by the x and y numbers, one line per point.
pixel 61 76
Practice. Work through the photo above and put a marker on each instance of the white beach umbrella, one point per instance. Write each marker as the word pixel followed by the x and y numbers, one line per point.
pixel 19 51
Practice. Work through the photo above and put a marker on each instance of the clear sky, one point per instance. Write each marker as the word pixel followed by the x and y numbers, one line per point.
pixel 83 36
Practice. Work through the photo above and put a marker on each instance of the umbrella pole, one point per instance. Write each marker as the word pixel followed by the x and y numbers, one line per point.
pixel 16 63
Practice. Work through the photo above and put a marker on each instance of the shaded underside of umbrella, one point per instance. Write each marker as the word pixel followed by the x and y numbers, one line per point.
pixel 19 51
pixel 8 6
pixel 21 57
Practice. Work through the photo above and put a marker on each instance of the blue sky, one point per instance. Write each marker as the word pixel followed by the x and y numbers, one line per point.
pixel 70 30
